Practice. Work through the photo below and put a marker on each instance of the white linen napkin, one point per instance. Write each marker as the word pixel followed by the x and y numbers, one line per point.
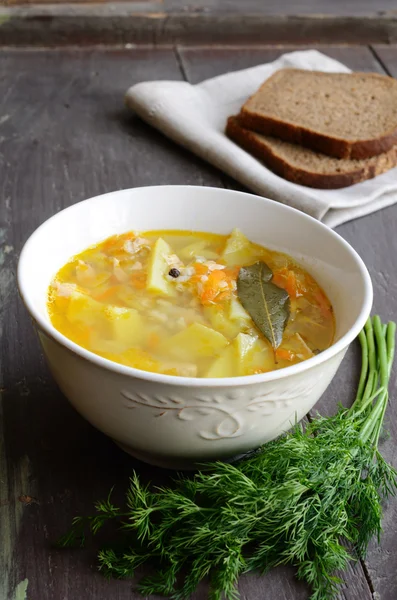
pixel 195 117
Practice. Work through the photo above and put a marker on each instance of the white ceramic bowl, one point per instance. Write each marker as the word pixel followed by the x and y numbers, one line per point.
pixel 174 421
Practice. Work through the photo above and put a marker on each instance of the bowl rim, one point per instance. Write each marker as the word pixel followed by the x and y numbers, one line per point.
pixel 177 380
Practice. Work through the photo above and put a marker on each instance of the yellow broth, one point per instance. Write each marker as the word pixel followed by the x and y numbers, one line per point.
pixel 166 301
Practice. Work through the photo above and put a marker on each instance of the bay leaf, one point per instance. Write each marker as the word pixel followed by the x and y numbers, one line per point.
pixel 267 304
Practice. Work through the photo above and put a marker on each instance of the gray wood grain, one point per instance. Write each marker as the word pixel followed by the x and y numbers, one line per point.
pixel 202 63
pixel 373 238
pixel 289 7
pixel 64 135
pixel 365 8
pixel 206 22
pixel 387 56
pixel 375 242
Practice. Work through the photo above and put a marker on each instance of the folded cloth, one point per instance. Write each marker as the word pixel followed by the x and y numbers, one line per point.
pixel 195 117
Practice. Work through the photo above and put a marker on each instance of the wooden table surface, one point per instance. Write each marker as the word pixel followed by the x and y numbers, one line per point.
pixel 193 22
pixel 65 136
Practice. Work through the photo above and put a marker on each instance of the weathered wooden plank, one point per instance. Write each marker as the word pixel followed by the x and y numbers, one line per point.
pixel 146 7
pixel 207 23
pixel 141 6
pixel 200 64
pixel 289 7
pixel 71 140
pixel 307 7
pixel 64 136
pixel 375 240
pixel 373 237
pixel 388 57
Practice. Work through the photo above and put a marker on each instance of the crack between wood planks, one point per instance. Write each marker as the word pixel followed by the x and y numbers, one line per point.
pixel 367 577
pixel 364 566
pixel 181 64
pixel 182 67
pixel 378 58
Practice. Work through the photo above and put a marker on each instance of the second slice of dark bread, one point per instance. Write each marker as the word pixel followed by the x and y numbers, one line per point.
pixel 306 167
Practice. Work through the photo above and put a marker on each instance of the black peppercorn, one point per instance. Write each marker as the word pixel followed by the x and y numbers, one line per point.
pixel 174 273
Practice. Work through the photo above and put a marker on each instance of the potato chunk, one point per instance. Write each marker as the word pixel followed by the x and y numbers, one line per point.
pixel 220 322
pixel 238 313
pixel 235 359
pixel 84 309
pixel 125 325
pixel 244 343
pixel 158 269
pixel 195 342
pixel 238 249
pixel 224 365
pixel 197 249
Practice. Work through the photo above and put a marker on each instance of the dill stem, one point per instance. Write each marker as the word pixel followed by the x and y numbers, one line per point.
pixel 383 354
pixel 364 367
pixel 376 433
pixel 364 405
pixel 368 378
pixel 372 421
pixel 390 344
pixel 372 357
pixel 386 356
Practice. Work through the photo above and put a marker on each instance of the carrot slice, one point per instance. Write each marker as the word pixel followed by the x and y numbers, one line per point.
pixel 280 277
pixel 212 290
pixel 223 295
pixel 291 284
pixel 116 242
pixel 107 293
pixel 285 354
pixel 200 268
pixel 217 276
pixel 232 272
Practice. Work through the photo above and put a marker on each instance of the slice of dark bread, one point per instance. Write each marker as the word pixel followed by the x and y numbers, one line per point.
pixel 304 166
pixel 347 115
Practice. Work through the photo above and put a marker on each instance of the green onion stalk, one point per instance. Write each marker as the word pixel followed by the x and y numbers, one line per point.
pixel 311 499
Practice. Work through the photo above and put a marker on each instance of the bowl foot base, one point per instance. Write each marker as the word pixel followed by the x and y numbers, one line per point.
pixel 173 463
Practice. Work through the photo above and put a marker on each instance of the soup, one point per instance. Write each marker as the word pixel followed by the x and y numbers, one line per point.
pixel 169 302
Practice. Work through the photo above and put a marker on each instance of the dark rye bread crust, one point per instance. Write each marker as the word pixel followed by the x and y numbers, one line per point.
pixel 262 148
pixel 320 142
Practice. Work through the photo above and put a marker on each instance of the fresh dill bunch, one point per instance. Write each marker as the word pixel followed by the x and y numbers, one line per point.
pixel 302 499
